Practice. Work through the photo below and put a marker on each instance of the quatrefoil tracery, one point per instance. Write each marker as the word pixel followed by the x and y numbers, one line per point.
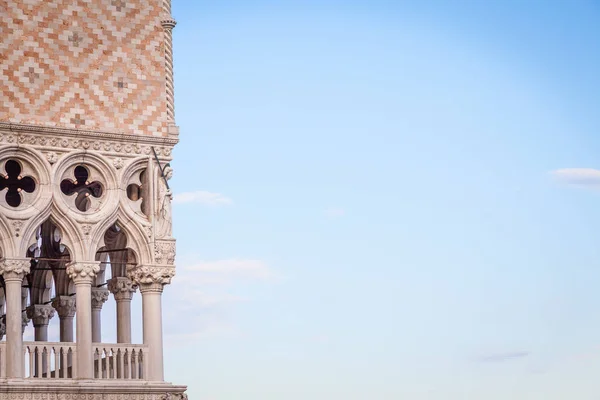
pixel 16 183
pixel 82 187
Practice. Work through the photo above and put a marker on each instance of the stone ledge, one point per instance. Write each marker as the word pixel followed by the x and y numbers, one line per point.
pixel 71 389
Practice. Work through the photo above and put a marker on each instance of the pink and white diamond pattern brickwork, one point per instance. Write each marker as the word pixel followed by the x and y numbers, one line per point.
pixel 84 64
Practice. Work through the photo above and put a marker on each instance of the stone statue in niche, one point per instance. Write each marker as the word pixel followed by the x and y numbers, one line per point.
pixel 164 222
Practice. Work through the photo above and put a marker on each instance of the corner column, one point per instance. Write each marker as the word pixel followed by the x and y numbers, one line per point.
pixel 83 274
pixel 99 297
pixel 13 272
pixel 123 289
pixel 151 280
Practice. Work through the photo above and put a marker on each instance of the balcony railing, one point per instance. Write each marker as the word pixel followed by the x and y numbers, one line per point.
pixel 120 361
pixel 49 360
pixel 53 360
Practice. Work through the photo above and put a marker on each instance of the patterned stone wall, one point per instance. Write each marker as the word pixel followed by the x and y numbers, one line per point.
pixel 86 64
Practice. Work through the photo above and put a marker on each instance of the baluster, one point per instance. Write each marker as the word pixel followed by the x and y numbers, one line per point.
pixel 113 364
pixel 134 364
pixel 38 365
pixel 56 350
pixel 121 364
pixel 74 366
pixel 31 362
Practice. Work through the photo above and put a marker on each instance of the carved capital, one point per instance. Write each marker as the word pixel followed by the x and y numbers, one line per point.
pixel 99 297
pixel 64 306
pixel 82 272
pixel 150 277
pixel 14 269
pixel 122 288
pixel 40 314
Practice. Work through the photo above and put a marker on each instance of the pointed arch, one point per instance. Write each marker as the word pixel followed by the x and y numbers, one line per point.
pixel 136 238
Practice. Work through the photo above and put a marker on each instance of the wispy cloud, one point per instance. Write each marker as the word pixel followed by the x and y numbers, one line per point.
pixel 334 212
pixel 202 197
pixel 233 269
pixel 206 296
pixel 583 177
pixel 501 357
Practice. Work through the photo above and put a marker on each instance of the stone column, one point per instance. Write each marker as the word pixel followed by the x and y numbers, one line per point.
pixel 123 289
pixel 65 307
pixel 151 280
pixel 99 297
pixel 13 272
pixel 82 274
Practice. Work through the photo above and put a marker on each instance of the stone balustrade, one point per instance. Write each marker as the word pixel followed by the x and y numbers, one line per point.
pixel 120 361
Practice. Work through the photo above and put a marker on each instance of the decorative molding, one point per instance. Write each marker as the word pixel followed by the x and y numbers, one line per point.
pixel 58 140
pixel 40 314
pixel 17 225
pixel 175 396
pixel 164 252
pixel 118 163
pixel 52 157
pixel 65 306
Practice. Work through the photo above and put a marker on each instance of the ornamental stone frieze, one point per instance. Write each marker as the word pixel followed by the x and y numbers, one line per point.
pixel 54 142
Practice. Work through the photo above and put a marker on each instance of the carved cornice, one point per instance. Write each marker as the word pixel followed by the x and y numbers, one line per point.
pixel 65 306
pixel 99 297
pixel 12 269
pixel 122 288
pixel 56 140
pixel 151 277
pixel 82 271
pixel 40 314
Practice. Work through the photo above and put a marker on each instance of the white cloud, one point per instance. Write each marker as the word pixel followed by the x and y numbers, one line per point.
pixel 585 177
pixel 202 197
pixel 206 295
pixel 233 269
pixel 335 212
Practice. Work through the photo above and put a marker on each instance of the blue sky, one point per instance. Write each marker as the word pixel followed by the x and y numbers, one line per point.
pixel 368 204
